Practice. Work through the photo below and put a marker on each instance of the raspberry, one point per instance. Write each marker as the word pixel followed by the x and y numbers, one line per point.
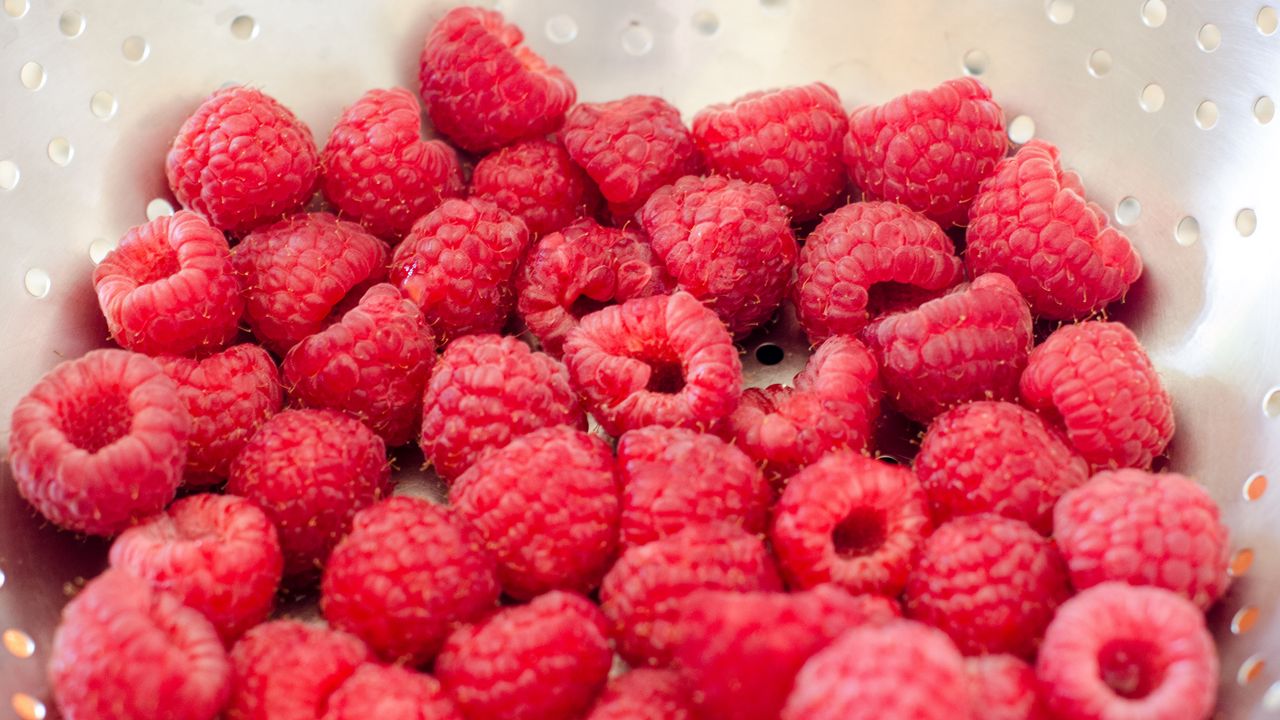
pixel 129 652
pixel 788 139
pixel 372 364
pixel 169 288
pixel 543 661
pixel 390 692
pixel 487 390
pixel 1003 687
pixel 1144 529
pixel 929 149
pixel 377 169
pixel 727 242
pixel 218 554
pixel 1031 222
pixel 242 159
pixel 580 269
pixel 483 87
pixel 302 273
pixel 863 259
pixel 660 360
pixel 405 574
pixel 643 694
pixel 311 471
pixel 99 442
pixel 970 344
pixel 630 147
pixel 642 593
pixel 288 670
pixel 1119 651
pixel 996 457
pixel 458 263
pixel 536 181
pixel 547 507
pixel 852 521
pixel 1095 379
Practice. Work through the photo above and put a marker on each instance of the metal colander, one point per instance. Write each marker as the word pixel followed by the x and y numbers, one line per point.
pixel 1164 106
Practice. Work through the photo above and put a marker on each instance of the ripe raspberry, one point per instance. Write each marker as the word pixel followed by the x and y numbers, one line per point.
pixel 928 149
pixel 408 571
pixel 219 554
pixel 630 147
pixel 727 242
pixel 483 87
pixel 311 471
pixel 1031 222
pixel 970 344
pixel 302 273
pixel 864 259
pixel 643 694
pixel 390 692
pixel 852 521
pixel 487 390
pixel 660 360
pixel 536 181
pixel 996 457
pixel 99 442
pixel 547 507
pixel 377 169
pixel 1003 687
pixel 543 661
pixel 169 288
pixel 1119 651
pixel 288 670
pixel 242 159
pixel 643 592
pixel 1095 379
pixel 125 651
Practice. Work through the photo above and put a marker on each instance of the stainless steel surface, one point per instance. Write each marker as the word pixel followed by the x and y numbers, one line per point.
pixel 1165 108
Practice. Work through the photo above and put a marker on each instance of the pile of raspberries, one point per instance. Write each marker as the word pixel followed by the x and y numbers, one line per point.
pixel 706 552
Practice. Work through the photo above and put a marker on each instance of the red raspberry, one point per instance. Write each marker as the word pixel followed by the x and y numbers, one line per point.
pixel 543 661
pixel 125 651
pixel 487 390
pixel 643 591
pixel 852 521
pixel 996 457
pixel 536 181
pixel 408 571
pixel 1097 381
pixel 865 258
pixel 788 139
pixel 288 670
pixel 390 692
pixel 169 288
pixel 242 159
pixel 630 147
pixel 311 471
pixel 1031 222
pixel 727 242
pixel 483 87
pixel 1003 687
pixel 1119 651
pixel 302 273
pixel 643 694
pixel 218 554
pixel 377 169
pixel 660 360
pixel 547 507
pixel 970 344
pixel 928 149
pixel 99 442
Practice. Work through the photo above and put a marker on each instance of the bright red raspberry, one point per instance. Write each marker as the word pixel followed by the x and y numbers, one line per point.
pixel 126 651
pixel 390 692
pixel 1003 687
pixel 536 181
pixel 99 442
pixel 311 471
pixel 660 360
pixel 546 660
pixel 377 169
pixel 727 242
pixel 852 521
pixel 547 507
pixel 643 694
pixel 1119 651
pixel 304 272
pixel 483 87
pixel 1095 379
pixel 288 670
pixel 487 390
pixel 928 149
pixel 242 159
